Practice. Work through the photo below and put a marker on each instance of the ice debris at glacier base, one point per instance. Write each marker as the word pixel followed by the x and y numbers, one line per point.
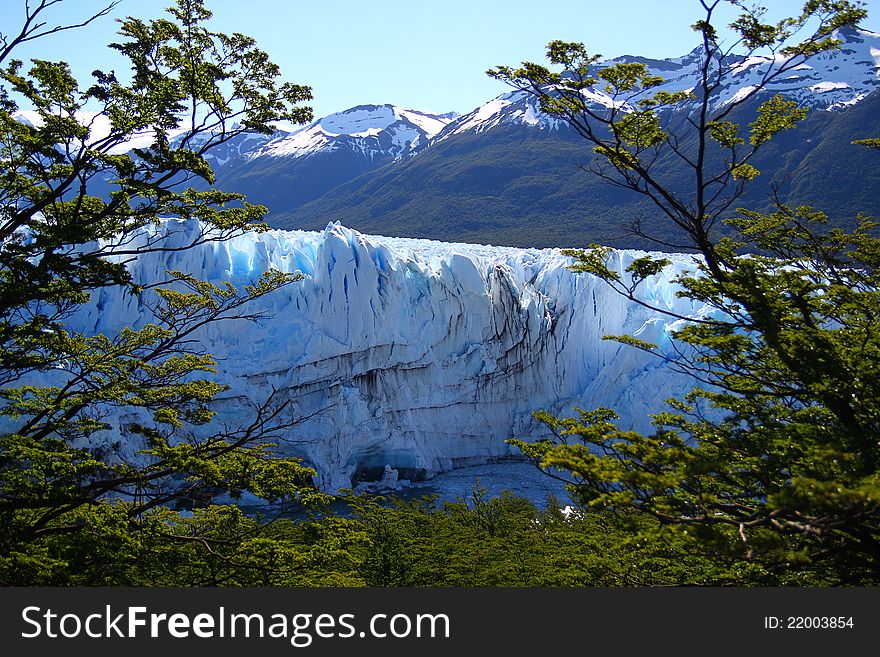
pixel 416 354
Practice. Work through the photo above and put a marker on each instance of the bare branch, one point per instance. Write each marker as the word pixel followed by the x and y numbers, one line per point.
pixel 32 28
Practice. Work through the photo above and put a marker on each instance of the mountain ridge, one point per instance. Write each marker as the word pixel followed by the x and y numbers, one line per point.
pixel 505 173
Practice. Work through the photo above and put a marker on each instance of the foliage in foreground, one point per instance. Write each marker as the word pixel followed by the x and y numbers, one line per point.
pixel 774 457
pixel 190 90
pixel 783 491
pixel 503 541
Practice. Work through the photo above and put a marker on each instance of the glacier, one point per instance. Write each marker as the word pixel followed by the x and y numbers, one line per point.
pixel 412 356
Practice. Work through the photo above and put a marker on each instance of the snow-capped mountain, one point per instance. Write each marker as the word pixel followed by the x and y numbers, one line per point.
pixel 505 173
pixel 370 131
pixel 237 148
pixel 373 132
pixel 830 81
pixel 296 167
pixel 413 354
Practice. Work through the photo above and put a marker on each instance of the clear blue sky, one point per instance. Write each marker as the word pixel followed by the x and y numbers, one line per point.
pixel 422 55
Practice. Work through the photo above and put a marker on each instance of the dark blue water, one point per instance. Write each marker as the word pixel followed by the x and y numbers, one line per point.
pixel 520 478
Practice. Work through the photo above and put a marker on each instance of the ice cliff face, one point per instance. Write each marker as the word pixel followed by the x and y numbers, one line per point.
pixel 415 354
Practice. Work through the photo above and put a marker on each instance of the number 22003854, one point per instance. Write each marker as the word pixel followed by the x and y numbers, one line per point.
pixel 808 622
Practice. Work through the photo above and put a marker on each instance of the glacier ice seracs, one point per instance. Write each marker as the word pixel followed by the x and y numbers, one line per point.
pixel 418 355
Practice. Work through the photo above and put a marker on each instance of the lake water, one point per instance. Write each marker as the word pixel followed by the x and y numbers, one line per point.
pixel 522 479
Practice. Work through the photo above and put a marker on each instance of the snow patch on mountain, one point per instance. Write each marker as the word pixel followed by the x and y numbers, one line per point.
pixel 430 124
pixel 822 87
pixel 513 108
pixel 740 94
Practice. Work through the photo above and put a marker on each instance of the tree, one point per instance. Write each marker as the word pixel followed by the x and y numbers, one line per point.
pixel 774 454
pixel 61 243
